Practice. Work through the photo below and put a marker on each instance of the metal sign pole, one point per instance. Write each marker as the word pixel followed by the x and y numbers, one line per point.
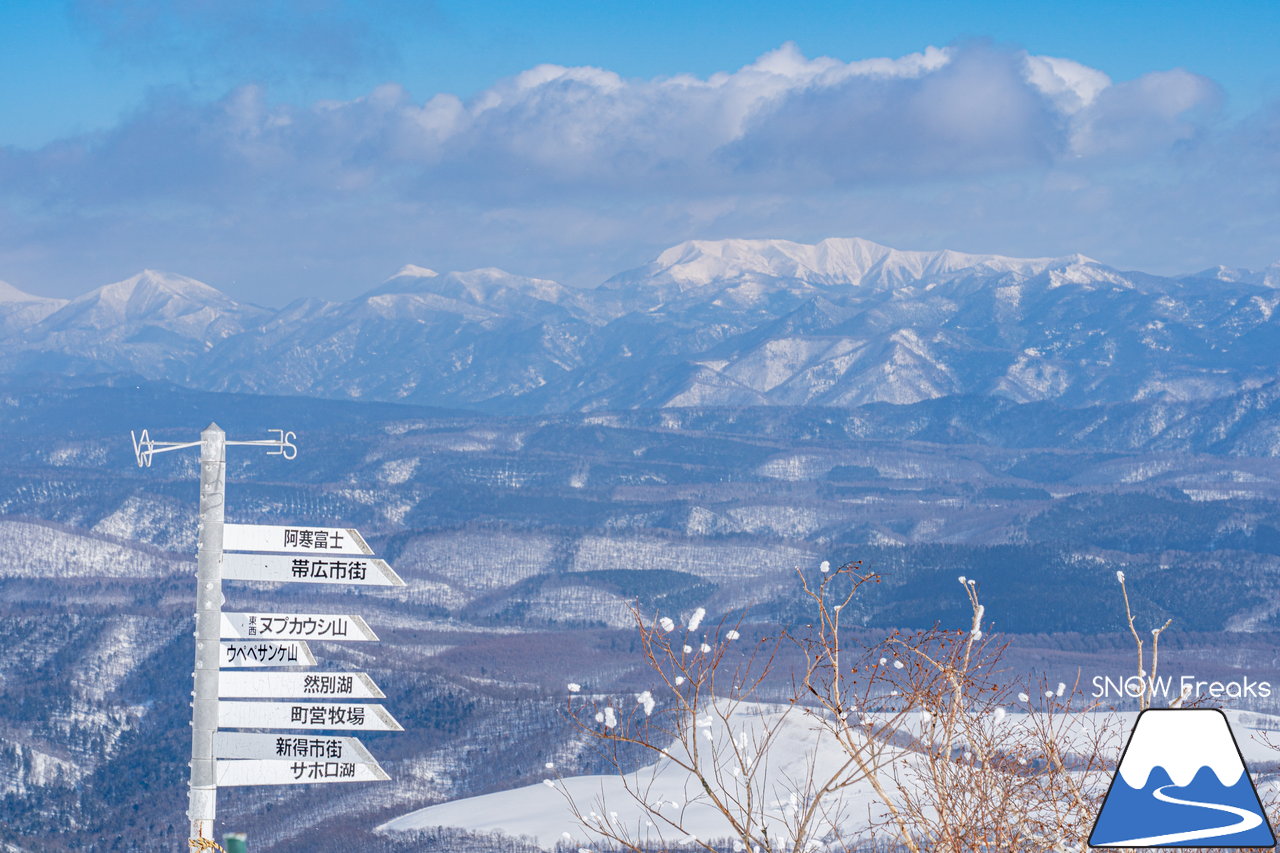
pixel 202 804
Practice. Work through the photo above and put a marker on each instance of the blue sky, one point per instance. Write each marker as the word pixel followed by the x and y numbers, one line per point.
pixel 283 148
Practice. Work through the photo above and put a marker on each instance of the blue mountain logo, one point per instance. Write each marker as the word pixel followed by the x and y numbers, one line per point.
pixel 1182 783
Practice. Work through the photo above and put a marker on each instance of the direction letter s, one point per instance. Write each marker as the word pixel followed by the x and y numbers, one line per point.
pixel 288 449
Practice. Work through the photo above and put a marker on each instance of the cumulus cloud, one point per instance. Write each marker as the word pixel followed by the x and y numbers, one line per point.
pixel 785 118
pixel 1152 113
pixel 557 163
pixel 970 111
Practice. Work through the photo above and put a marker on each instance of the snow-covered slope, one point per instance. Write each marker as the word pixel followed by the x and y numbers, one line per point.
pixel 697 263
pixel 796 744
pixel 844 322
pixel 11 295
pixel 447 339
pixel 489 287
pixel 20 311
pixel 173 303
pixel 1269 277
pixel 31 549
pixel 800 751
pixel 154 324
pixel 707 323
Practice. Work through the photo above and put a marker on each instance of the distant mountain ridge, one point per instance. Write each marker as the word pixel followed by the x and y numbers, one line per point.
pixel 842 322
pixel 831 261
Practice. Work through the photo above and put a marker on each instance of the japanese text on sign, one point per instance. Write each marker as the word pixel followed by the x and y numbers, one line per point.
pixel 298 537
pixel 327 715
pixel 323 769
pixel 328 684
pixel 261 653
pixel 308 747
pixel 335 570
pixel 299 626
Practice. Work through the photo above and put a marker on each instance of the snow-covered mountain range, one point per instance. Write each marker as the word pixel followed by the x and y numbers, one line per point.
pixel 734 322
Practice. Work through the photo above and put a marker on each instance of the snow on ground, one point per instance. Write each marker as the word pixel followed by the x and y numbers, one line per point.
pixel 32 549
pixel 721 559
pixel 480 560
pixel 542 812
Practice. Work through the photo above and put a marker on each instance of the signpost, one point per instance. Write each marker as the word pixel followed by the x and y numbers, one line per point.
pixel 296 772
pixel 283 747
pixel 227 644
pixel 294 540
pixel 306 715
pixel 252 653
pixel 282 568
pixel 288 685
pixel 295 626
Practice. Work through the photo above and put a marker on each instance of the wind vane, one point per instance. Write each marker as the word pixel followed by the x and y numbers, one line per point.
pixel 145 447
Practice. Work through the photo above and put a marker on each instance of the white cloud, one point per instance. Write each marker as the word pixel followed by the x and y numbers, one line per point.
pixel 1148 114
pixel 1070 85
pixel 780 121
pixel 570 172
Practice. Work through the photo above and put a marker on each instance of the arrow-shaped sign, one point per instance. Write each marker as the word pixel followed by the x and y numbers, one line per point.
pixel 283 746
pixel 289 685
pixel 299 772
pixel 295 626
pixel 358 571
pixel 291 540
pixel 306 715
pixel 266 653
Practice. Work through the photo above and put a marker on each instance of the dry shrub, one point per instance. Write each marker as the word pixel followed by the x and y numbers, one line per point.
pixel 958 756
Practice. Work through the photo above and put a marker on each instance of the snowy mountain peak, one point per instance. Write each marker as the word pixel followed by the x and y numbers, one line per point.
pixel 1269 277
pixel 151 289
pixel 1223 273
pixel 181 305
pixel 413 271
pixel 10 294
pixel 488 286
pixel 698 262
pixel 836 260
pixel 20 311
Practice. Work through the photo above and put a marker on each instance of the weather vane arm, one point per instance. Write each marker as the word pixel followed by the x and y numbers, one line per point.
pixel 283 443
pixel 145 447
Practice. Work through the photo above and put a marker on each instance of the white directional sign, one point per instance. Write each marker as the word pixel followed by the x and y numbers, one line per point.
pixel 295 626
pixel 266 653
pixel 299 772
pixel 228 689
pixel 282 746
pixel 304 540
pixel 306 715
pixel 289 685
pixel 360 571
